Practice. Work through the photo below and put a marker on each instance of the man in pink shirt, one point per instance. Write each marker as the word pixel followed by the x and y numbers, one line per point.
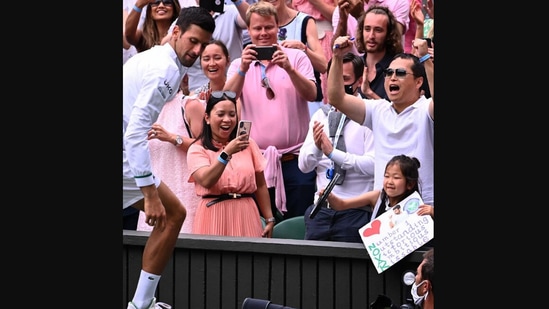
pixel 274 94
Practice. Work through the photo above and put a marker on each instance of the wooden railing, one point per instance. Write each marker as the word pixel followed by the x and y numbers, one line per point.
pixel 218 272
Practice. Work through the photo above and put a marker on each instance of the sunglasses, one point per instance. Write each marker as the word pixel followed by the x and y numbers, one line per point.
pixel 400 73
pixel 165 2
pixel 266 84
pixel 220 94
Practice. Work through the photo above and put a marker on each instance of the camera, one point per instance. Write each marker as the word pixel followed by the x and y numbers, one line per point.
pixel 255 303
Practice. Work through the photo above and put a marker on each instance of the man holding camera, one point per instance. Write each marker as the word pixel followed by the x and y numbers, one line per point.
pixel 274 94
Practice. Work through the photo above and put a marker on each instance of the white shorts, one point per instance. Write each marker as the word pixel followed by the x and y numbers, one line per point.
pixel 131 193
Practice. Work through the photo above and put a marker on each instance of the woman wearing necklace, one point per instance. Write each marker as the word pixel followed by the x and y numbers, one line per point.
pixel 214 65
pixel 227 171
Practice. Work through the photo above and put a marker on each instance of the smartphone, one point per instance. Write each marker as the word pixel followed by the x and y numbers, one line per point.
pixel 213 5
pixel 265 52
pixel 429 44
pixel 244 127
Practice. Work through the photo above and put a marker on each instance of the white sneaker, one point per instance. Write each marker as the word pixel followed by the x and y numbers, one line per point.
pixel 154 305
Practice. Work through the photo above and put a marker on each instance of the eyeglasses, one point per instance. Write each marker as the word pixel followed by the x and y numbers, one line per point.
pixel 400 73
pixel 265 83
pixel 220 94
pixel 165 2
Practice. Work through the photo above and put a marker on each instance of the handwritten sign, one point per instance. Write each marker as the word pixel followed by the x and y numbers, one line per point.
pixel 397 232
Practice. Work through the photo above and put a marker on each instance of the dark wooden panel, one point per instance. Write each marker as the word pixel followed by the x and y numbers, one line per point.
pixel 262 270
pixel 393 288
pixel 278 278
pixel 229 278
pixel 264 245
pixel 134 269
pixel 182 279
pixel 376 282
pixel 309 282
pixel 342 281
pixel 359 284
pixel 293 282
pixel 326 287
pixel 245 277
pixel 213 280
pixel 198 279
pixel 125 287
pixel 165 291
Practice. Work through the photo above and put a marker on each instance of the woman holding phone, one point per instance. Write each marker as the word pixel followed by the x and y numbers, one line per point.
pixel 227 171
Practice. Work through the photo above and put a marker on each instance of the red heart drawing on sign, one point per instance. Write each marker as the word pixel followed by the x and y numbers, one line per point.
pixel 374 229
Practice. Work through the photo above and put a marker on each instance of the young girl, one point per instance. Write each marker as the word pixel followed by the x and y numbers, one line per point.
pixel 400 180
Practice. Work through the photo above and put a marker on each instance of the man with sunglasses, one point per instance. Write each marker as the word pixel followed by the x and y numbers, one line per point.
pixel 274 94
pixel 337 144
pixel 150 79
pixel 148 22
pixel 379 39
pixel 404 124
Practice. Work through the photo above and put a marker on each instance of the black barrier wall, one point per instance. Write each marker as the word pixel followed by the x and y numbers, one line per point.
pixel 218 272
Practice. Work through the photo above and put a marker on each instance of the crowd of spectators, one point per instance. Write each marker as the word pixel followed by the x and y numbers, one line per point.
pixel 296 138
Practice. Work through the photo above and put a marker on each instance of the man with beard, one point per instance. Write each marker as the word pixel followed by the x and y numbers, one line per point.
pixel 150 79
pixel 379 38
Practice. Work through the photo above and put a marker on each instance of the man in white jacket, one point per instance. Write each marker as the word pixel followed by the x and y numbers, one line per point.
pixel 150 79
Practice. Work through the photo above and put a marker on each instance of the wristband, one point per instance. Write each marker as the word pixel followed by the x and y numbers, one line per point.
pixel 240 72
pixel 331 155
pixel 422 59
pixel 237 3
pixel 220 159
pixel 137 9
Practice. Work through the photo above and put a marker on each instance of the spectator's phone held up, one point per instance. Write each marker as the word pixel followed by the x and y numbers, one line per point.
pixel 264 52
pixel 244 127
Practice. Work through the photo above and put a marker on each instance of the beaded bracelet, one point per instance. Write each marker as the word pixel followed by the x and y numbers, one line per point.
pixel 137 9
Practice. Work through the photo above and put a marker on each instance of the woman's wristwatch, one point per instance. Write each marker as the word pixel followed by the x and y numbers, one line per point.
pixel 225 156
pixel 178 141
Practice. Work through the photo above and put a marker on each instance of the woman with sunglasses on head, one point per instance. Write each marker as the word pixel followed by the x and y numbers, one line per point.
pixel 227 170
pixel 159 16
